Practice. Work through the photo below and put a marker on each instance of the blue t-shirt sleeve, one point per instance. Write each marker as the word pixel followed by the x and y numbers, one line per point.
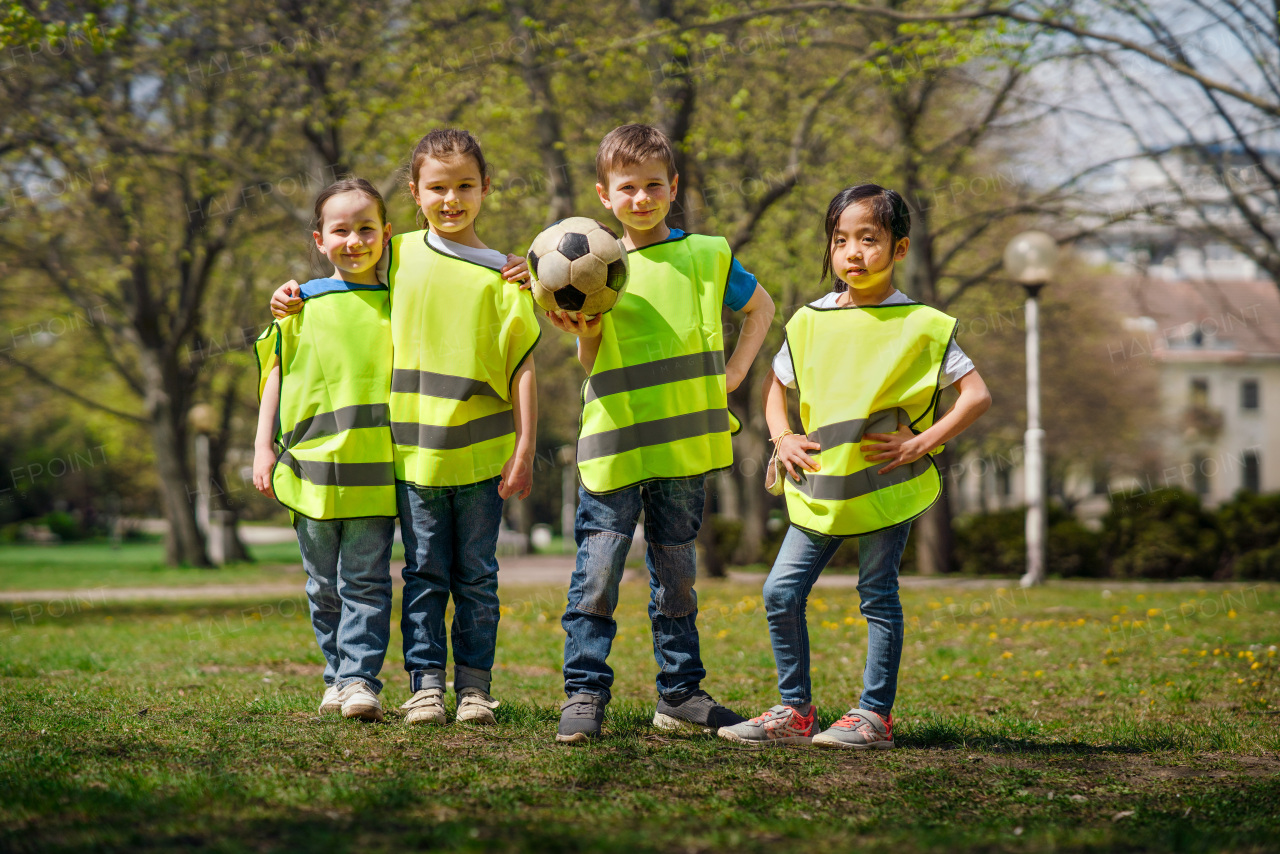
pixel 741 286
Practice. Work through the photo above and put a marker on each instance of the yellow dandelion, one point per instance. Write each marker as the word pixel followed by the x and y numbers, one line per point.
pixel 993 635
pixel 1006 654
pixel 1102 693
pixel 1239 681
pixel 1115 618
pixel 1217 652
pixel 1168 684
pixel 1151 612
pixel 1038 674
pixel 1203 653
pixel 1231 615
pixel 1141 693
pixel 1255 665
pixel 945 677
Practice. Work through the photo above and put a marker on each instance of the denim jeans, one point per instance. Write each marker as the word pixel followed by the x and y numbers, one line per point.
pixel 800 561
pixel 348 564
pixel 604 528
pixel 450 548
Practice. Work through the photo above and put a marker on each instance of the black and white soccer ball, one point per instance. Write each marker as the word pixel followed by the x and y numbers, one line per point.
pixel 578 265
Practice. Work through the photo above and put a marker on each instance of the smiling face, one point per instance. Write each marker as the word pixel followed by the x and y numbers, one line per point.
pixel 449 191
pixel 863 254
pixel 640 197
pixel 352 235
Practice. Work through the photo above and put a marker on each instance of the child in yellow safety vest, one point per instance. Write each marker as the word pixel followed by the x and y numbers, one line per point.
pixel 463 413
pixel 868 364
pixel 323 446
pixel 654 422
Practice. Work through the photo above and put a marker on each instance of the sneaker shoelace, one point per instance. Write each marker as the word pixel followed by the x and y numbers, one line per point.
pixel 859 723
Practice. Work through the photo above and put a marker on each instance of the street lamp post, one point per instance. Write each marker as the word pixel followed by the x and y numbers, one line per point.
pixel 1029 259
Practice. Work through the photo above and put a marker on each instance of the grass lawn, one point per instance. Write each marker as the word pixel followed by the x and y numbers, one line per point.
pixel 87 566
pixel 1060 719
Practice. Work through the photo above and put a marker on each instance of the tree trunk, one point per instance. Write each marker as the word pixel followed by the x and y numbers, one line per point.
pixel 166 422
pixel 935 551
pixel 534 71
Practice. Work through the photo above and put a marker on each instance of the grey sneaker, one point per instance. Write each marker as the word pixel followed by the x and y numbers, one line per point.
pixel 779 725
pixel 859 729
pixel 696 711
pixel 580 718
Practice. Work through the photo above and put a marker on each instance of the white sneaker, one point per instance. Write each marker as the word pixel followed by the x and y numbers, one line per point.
pixel 359 701
pixel 330 702
pixel 426 706
pixel 476 706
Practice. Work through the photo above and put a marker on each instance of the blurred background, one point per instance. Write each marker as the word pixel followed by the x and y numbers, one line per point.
pixel 158 163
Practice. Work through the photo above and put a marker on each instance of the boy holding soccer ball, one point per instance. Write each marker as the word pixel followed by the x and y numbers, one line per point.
pixel 655 421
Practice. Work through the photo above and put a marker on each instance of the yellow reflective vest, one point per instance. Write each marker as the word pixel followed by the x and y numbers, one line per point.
pixel 655 405
pixel 334 435
pixel 461 332
pixel 864 369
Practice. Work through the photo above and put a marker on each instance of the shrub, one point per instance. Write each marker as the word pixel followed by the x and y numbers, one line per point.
pixel 1250 525
pixel 63 526
pixel 992 543
pixel 1074 551
pixel 1161 534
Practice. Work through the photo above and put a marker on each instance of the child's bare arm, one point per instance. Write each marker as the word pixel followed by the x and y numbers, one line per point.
pixel 791 447
pixel 264 452
pixel 903 447
pixel 517 474
pixel 755 326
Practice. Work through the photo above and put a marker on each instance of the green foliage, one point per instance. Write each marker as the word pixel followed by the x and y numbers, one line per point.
pixel 1161 534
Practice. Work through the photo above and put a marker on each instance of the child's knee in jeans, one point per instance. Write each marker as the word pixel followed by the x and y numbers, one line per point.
pixel 780 596
pixel 605 554
pixel 676 569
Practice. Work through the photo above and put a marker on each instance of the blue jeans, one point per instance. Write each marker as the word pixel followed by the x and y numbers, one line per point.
pixel 604 528
pixel 800 561
pixel 450 548
pixel 348 563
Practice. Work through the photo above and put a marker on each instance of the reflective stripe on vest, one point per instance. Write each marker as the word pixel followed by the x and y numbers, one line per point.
pixel 655 404
pixel 461 332
pixel 863 370
pixel 336 459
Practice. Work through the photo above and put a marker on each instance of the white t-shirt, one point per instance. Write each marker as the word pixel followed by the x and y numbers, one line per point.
pixel 955 363
pixel 490 258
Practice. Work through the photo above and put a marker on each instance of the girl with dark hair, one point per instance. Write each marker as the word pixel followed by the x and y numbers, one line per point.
pixel 868 364
pixel 323 445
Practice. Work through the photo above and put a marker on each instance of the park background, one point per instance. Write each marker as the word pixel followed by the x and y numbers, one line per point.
pixel 158 162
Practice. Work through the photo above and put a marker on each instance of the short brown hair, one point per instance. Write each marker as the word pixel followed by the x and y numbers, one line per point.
pixel 631 144
pixel 446 143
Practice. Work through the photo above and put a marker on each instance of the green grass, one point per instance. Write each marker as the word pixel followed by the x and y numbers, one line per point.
pixel 87 566
pixel 1036 722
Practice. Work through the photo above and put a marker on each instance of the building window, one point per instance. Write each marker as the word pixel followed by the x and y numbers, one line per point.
pixel 1004 485
pixel 1249 395
pixel 1252 479
pixel 1199 392
pixel 1200 477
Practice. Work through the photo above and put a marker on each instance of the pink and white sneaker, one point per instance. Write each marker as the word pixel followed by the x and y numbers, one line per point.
pixel 779 725
pixel 859 729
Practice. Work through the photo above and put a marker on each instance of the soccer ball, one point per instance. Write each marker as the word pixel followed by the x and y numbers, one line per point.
pixel 578 265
